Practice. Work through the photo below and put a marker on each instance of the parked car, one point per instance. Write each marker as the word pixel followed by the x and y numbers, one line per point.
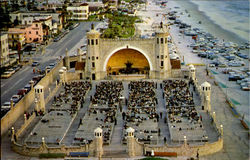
pixel 235 64
pixel 11 70
pixel 22 92
pixel 16 98
pixel 243 80
pixel 235 77
pixel 227 70
pixel 222 65
pixel 17 68
pixel 245 86
pixel 6 106
pixel 37 78
pixel 35 64
pixel 6 74
pixel 27 86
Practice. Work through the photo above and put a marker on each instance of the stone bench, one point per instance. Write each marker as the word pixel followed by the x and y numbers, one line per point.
pixel 79 154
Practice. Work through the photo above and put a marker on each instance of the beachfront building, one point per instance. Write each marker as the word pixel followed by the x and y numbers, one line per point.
pixel 142 57
pixel 4 49
pixel 78 11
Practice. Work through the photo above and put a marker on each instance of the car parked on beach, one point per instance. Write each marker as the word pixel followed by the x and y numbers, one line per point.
pixel 245 86
pixel 227 70
pixel 244 56
pixel 235 77
pixel 236 64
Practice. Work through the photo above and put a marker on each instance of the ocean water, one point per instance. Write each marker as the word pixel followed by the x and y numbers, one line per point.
pixel 231 15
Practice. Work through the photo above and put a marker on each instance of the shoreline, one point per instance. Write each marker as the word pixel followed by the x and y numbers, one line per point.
pixel 208 24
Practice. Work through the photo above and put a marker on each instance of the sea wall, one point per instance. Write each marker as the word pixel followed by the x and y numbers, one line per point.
pixel 188 150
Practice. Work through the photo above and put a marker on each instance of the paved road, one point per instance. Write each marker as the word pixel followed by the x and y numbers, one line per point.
pixel 10 86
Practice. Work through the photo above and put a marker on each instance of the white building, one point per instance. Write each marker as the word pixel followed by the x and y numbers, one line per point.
pixel 78 11
pixel 4 49
pixel 45 19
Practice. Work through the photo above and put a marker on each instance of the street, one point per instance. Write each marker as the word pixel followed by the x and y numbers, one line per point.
pixel 53 51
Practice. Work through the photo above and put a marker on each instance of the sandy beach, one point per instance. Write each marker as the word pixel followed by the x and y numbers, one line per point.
pixel 236 141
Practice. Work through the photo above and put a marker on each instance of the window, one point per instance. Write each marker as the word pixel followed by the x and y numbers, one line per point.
pixel 36 25
pixel 157 40
pixel 36 32
pixel 92 42
pixel 29 32
pixel 93 64
pixel 89 57
pixel 161 63
pixel 88 42
pixel 161 40
pixel 96 41
pixel 96 57
pixel 30 39
pixel 162 56
pixel 157 56
pixel 93 58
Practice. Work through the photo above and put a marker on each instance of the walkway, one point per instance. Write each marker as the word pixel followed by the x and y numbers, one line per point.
pixel 161 108
pixel 116 148
pixel 68 139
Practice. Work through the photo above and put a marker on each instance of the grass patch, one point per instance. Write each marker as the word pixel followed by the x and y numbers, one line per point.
pixel 234 101
pixel 52 155
pixel 222 85
pixel 120 26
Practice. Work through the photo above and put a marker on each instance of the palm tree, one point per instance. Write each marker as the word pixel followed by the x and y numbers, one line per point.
pixel 65 13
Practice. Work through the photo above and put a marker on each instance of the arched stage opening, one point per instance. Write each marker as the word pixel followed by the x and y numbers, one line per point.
pixel 127 61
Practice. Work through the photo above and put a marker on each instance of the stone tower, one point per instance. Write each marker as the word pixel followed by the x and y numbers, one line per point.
pixel 39 95
pixel 98 142
pixel 163 66
pixel 92 69
pixel 206 89
pixel 130 141
pixel 67 63
pixel 192 72
pixel 61 75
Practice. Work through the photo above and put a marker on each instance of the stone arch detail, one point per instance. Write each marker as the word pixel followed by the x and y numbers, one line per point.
pixel 126 47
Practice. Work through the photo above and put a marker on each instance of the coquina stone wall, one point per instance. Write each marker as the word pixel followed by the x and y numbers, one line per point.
pixel 35 151
pixel 24 104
